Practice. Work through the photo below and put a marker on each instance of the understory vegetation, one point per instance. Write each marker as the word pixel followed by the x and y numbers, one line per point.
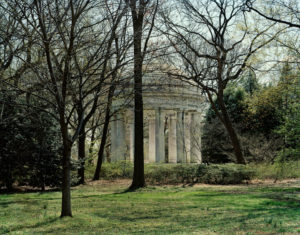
pixel 105 208
pixel 204 173
pixel 161 174
pixel 30 151
pixel 265 117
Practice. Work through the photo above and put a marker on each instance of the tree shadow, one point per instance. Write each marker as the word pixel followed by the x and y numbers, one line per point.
pixel 24 190
pixel 37 225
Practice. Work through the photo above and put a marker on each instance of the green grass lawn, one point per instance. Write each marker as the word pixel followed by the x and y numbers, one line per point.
pixel 106 209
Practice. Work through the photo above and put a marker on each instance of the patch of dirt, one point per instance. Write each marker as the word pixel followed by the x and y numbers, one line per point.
pixel 27 189
pixel 119 182
pixel 127 182
pixel 266 183
pixel 270 182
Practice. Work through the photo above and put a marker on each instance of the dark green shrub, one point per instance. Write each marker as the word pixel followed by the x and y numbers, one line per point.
pixel 223 174
pixel 121 169
pixel 181 173
pixel 170 174
pixel 193 173
pixel 30 152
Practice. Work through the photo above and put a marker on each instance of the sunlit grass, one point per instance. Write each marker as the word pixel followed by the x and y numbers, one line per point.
pixel 107 209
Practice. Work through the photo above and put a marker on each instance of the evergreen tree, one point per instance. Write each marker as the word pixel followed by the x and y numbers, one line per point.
pixel 30 144
pixel 289 129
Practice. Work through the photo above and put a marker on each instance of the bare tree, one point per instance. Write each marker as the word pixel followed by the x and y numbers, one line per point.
pixel 212 43
pixel 75 44
pixel 15 49
pixel 8 31
pixel 143 14
pixel 279 11
pixel 122 45
pixel 100 67
pixel 285 13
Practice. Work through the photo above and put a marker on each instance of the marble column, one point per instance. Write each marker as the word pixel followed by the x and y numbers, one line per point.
pixel 152 137
pixel 172 138
pixel 159 135
pixel 118 142
pixel 146 139
pixel 131 143
pixel 180 137
pixel 187 137
pixel 129 134
pixel 196 156
pixel 114 139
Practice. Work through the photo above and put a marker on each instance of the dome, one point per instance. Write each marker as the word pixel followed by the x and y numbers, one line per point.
pixel 172 119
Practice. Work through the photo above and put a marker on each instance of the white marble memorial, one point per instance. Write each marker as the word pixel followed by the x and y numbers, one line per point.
pixel 172 118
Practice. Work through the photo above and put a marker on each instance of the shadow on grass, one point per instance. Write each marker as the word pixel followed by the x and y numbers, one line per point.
pixel 22 190
pixel 36 225
pixel 25 201
pixel 265 212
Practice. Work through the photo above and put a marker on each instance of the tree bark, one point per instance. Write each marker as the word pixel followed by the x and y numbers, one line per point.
pixel 231 132
pixel 100 153
pixel 81 154
pixel 138 180
pixel 102 147
pixel 66 180
pixel 104 133
pixel 91 147
pixel 138 174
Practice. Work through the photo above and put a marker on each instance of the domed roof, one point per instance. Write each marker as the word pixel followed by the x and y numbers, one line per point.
pixel 162 89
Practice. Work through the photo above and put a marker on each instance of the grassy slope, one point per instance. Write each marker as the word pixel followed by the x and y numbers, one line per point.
pixel 105 209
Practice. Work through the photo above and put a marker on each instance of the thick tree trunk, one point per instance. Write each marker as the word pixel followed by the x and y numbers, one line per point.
pixel 81 154
pixel 138 173
pixel 66 180
pixel 231 132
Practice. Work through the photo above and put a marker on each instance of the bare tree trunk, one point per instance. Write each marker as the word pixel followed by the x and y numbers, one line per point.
pixel 91 147
pixel 104 133
pixel 101 151
pixel 66 180
pixel 138 180
pixel 138 174
pixel 81 154
pixel 231 132
pixel 102 147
